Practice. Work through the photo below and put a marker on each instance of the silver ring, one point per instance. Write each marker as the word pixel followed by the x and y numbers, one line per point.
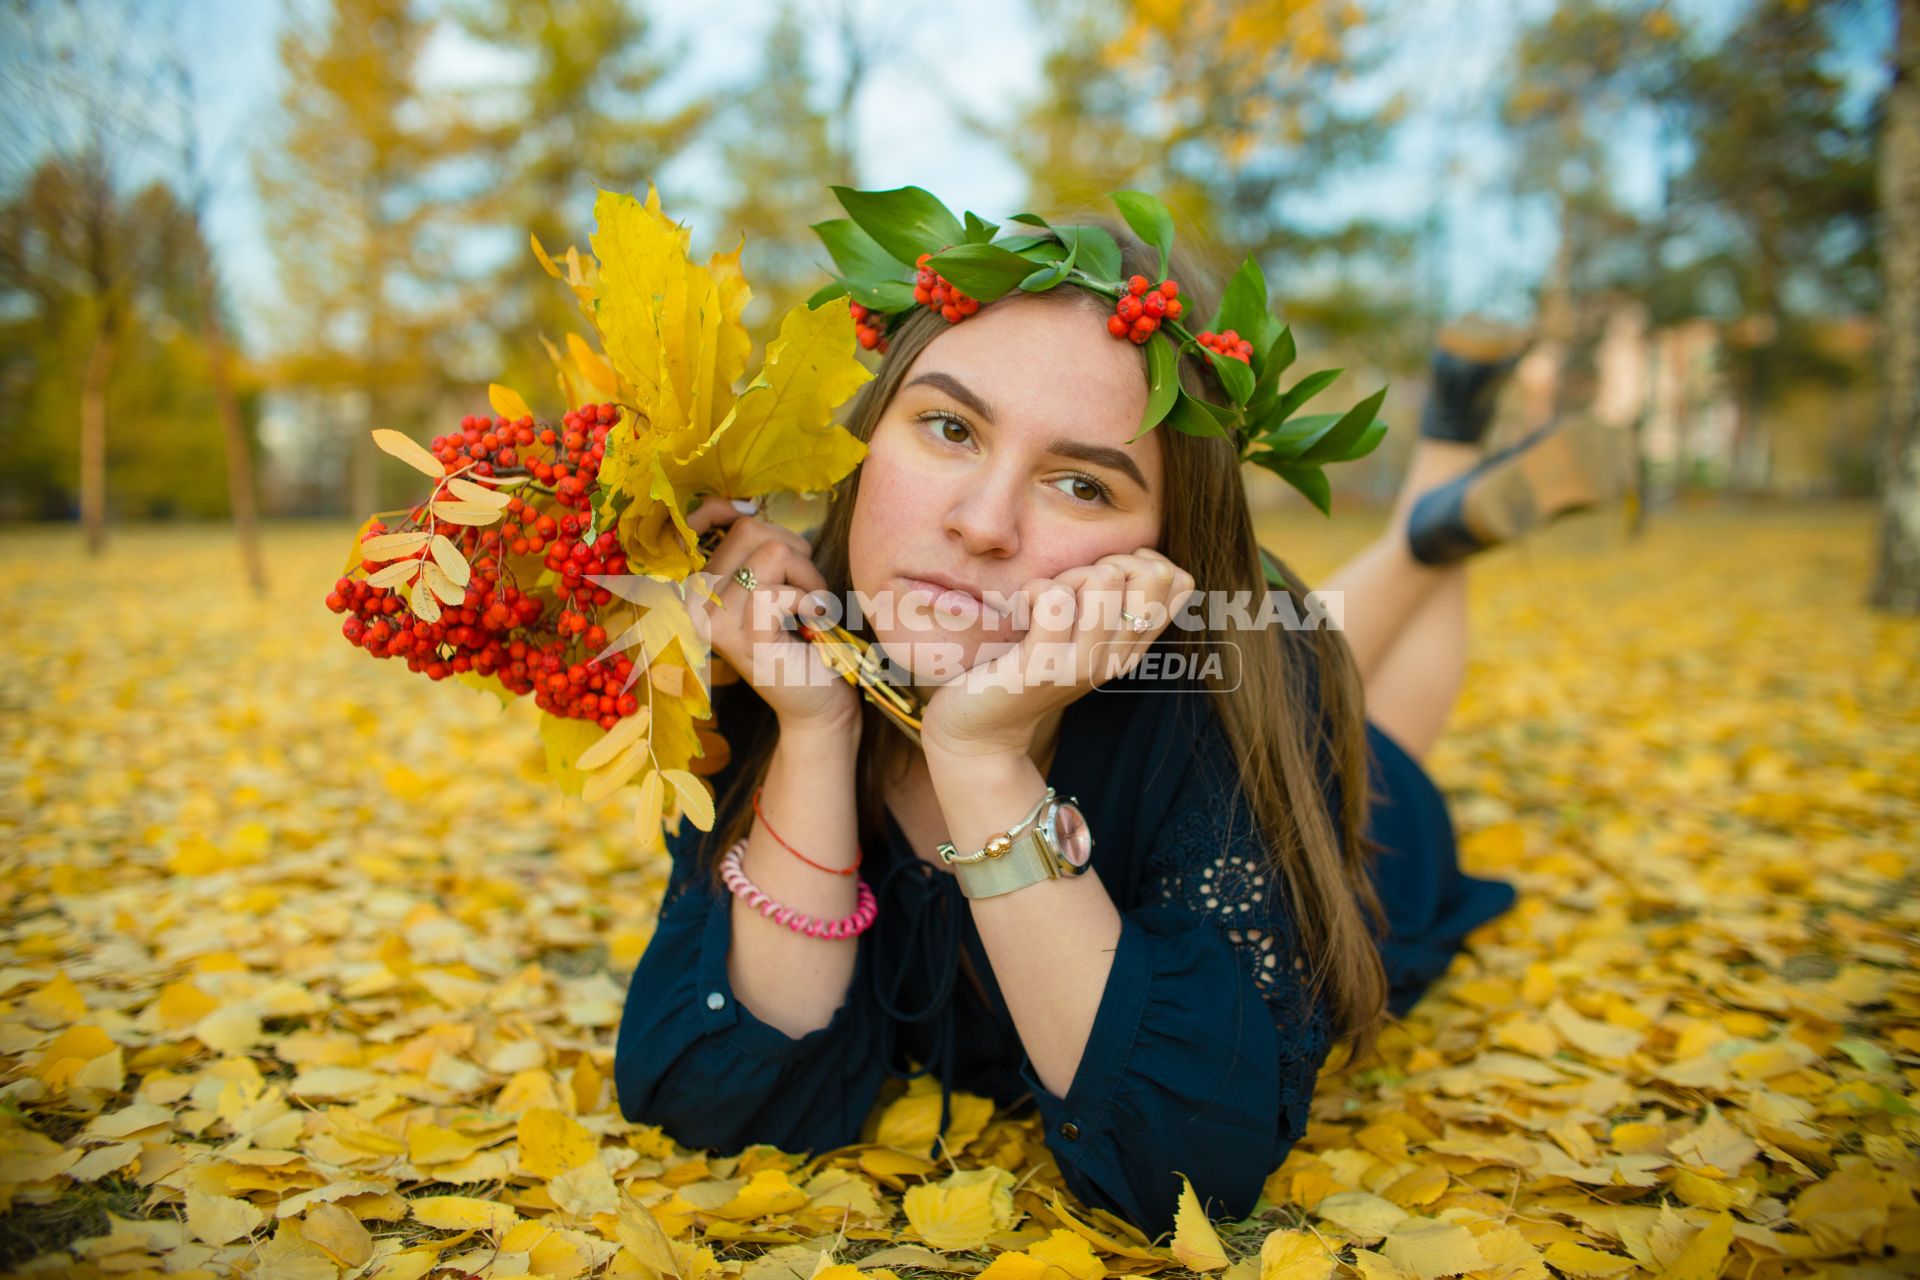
pixel 744 576
pixel 1138 624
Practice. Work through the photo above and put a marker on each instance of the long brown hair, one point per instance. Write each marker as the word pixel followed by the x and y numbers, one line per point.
pixel 1207 529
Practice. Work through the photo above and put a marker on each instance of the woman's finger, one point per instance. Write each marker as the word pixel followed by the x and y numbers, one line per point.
pixel 717 512
pixel 1145 609
pixel 711 513
pixel 1102 597
pixel 771 566
pixel 744 536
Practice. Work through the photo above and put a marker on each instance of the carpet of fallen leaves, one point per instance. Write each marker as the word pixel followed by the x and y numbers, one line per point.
pixel 307 972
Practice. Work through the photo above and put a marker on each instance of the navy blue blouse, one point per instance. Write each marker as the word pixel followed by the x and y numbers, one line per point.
pixel 1205 1047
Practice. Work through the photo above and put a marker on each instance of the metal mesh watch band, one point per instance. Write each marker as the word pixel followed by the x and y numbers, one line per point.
pixel 1013 859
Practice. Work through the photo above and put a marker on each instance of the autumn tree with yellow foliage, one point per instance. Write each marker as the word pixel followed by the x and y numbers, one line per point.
pixel 779 154
pixel 369 291
pixel 1228 109
pixel 585 113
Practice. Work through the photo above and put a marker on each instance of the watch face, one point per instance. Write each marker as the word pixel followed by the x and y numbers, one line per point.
pixel 1070 834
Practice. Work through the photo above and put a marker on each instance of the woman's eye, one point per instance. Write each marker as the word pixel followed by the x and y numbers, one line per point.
pixel 1082 488
pixel 954 431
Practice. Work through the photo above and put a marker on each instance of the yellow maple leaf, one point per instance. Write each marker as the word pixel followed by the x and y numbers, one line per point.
pixel 59 1000
pixel 663 320
pixel 552 1142
pixel 1015 1265
pixel 1705 1254
pixel 781 437
pixel 1430 1248
pixel 566 739
pixel 434 1144
pixel 338 1234
pixel 1422 1185
pixel 219 1219
pixel 911 1121
pixel 963 1209
pixel 1195 1242
pixel 641 1236
pixel 1292 1254
pixel 462 1213
pixel 70 1051
pixel 1573 1259
pixel 1070 1252
pixel 630 447
pixel 181 1004
pixel 654 531
pixel 592 367
pixel 734 343
pixel 768 1191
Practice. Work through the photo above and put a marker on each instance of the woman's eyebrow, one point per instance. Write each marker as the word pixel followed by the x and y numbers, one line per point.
pixel 1098 455
pixel 957 389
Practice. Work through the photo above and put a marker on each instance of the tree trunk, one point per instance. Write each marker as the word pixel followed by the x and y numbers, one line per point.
pixel 1558 322
pixel 240 490
pixel 1896 585
pixel 93 437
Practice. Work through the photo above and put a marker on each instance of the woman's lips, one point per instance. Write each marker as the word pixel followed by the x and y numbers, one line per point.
pixel 954 601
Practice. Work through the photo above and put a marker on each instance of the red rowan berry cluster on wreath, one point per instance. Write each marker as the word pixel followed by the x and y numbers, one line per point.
pixel 934 290
pixel 868 334
pixel 1137 313
pixel 468 611
pixel 1228 344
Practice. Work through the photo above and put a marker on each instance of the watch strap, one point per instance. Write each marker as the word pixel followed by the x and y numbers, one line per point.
pixel 1024 863
pixel 1029 860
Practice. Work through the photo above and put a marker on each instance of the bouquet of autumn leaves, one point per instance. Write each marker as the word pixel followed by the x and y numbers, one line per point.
pixel 553 560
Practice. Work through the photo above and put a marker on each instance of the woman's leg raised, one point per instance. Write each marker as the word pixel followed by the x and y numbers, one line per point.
pixel 1405 621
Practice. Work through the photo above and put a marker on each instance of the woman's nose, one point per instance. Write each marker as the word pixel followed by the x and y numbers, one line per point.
pixel 984 516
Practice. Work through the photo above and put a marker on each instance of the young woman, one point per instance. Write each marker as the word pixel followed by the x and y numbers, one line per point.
pixel 1270 869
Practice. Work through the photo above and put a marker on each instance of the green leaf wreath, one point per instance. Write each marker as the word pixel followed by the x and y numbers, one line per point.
pixel 889 238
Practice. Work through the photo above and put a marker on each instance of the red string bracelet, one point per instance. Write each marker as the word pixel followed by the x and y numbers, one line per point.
pixel 759 813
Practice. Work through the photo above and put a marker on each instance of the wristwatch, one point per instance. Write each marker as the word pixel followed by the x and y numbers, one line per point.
pixel 1050 843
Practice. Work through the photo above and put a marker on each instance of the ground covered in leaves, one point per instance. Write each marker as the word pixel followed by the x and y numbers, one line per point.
pixel 306 972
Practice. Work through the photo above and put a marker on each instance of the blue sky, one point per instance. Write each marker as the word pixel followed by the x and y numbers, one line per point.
pixel 1446 54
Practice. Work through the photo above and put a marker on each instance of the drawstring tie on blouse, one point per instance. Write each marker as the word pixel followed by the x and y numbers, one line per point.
pixel 911 891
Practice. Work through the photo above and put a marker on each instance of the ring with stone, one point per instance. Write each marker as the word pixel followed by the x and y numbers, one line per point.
pixel 1138 624
pixel 744 576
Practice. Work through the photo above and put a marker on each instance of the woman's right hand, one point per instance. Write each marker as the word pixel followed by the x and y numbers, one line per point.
pixel 746 627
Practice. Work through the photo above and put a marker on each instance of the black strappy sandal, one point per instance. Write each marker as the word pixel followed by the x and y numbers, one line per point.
pixel 1472 361
pixel 1554 471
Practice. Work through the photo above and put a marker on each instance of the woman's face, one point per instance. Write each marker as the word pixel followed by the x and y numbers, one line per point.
pixel 1004 457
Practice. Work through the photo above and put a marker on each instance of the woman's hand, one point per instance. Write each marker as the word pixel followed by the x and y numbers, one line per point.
pixel 746 627
pixel 1076 640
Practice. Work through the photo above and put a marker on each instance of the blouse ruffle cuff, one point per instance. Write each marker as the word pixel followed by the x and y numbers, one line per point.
pixel 1182 1073
pixel 694 1060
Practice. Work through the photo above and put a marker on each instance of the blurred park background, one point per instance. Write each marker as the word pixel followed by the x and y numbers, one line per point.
pixel 238 235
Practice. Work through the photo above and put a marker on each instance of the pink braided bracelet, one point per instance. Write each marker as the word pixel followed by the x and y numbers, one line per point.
pixel 846 927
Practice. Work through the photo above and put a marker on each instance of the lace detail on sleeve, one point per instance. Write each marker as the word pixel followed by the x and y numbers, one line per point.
pixel 1234 887
pixel 1230 882
pixel 1208 860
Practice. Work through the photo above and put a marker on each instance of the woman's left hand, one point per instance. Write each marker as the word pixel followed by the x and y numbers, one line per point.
pixel 1076 640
